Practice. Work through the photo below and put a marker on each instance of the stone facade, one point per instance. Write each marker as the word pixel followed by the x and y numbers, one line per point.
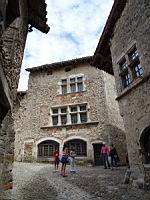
pixel 133 28
pixel 126 39
pixel 33 119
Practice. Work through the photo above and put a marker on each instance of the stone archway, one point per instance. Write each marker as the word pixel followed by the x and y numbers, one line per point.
pixel 45 150
pixel 145 145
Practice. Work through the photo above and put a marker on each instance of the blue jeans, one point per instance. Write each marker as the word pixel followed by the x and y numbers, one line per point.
pixel 106 161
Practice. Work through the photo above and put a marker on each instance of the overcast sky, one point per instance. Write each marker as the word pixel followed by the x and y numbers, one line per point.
pixel 75 29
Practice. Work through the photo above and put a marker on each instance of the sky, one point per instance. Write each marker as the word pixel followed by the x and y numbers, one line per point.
pixel 75 29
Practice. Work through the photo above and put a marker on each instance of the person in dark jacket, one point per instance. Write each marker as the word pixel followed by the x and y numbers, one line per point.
pixel 114 156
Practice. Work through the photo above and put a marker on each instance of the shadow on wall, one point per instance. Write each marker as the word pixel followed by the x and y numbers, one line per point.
pixel 118 139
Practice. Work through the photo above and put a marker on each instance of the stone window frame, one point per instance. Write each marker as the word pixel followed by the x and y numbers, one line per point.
pixel 72 84
pixel 129 67
pixel 71 116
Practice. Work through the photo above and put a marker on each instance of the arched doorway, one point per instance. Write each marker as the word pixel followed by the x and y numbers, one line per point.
pixel 145 145
pixel 80 147
pixel 46 149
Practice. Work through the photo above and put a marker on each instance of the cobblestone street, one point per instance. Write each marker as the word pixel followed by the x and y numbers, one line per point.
pixel 40 182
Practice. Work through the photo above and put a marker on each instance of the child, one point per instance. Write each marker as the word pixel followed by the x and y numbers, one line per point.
pixel 56 159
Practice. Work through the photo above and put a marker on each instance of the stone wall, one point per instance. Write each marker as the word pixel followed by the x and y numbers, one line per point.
pixel 32 118
pixel 12 48
pixel 115 126
pixel 133 27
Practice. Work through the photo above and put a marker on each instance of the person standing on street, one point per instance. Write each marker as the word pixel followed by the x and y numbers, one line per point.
pixel 64 160
pixel 72 161
pixel 114 156
pixel 105 152
pixel 56 159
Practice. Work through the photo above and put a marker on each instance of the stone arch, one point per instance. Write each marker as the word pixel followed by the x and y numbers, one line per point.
pixel 47 138
pixel 145 144
pixel 75 137
pixel 45 148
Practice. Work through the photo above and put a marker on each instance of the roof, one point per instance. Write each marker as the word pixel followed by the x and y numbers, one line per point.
pixel 37 15
pixel 62 64
pixel 102 56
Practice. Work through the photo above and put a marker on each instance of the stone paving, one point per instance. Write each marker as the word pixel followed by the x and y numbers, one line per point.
pixel 40 182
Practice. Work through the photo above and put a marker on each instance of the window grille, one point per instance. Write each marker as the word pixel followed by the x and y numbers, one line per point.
pixel 130 68
pixel 47 148
pixel 72 85
pixel 73 114
pixel 79 146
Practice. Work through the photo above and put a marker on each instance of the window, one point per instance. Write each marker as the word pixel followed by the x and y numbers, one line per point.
pixel 64 86
pixel 134 64
pixel 79 146
pixel 79 84
pixel 130 67
pixel 125 76
pixel 138 70
pixel 71 85
pixel 83 117
pixel 47 148
pixel 55 116
pixel 63 115
pixel 55 120
pixel 76 84
pixel 74 114
pixel 133 54
pixel 74 118
pixel 63 119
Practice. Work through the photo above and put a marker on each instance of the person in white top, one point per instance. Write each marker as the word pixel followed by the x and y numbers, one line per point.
pixel 72 161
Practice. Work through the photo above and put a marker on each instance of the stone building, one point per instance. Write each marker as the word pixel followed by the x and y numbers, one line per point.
pixel 68 102
pixel 14 19
pixel 124 49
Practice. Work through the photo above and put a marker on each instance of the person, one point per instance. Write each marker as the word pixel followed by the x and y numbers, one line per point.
pixel 56 159
pixel 114 156
pixel 72 161
pixel 127 160
pixel 64 160
pixel 105 152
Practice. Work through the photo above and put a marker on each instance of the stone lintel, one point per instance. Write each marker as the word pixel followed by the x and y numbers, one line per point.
pixel 70 125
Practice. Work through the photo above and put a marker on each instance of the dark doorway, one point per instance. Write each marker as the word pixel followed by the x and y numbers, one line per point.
pixel 145 145
pixel 98 160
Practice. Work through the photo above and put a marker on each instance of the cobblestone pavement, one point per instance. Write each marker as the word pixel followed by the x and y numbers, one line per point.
pixel 40 182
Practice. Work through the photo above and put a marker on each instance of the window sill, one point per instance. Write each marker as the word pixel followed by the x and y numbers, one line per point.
pixel 70 125
pixel 133 85
pixel 71 93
